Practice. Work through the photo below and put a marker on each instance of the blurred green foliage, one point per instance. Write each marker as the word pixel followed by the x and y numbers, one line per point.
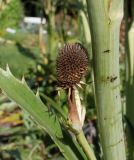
pixel 11 15
pixel 20 51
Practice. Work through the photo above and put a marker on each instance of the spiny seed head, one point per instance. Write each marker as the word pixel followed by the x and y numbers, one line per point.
pixel 72 63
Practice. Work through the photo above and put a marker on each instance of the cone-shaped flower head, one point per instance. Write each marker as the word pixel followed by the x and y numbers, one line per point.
pixel 72 63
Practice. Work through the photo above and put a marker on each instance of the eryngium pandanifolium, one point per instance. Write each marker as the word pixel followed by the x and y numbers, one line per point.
pixel 72 63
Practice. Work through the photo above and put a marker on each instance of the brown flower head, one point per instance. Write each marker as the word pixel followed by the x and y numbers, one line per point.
pixel 72 63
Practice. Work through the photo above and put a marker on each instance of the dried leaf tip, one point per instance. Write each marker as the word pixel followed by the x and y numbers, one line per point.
pixel 72 64
pixel 8 69
pixel 23 80
pixel 37 93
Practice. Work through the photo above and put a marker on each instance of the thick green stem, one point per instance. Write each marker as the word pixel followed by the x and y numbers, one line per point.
pixel 51 28
pixel 86 27
pixel 85 146
pixel 85 23
pixel 49 8
pixel 105 18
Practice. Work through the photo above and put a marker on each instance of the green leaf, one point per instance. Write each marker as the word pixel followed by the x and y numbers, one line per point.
pixel 55 105
pixel 22 95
